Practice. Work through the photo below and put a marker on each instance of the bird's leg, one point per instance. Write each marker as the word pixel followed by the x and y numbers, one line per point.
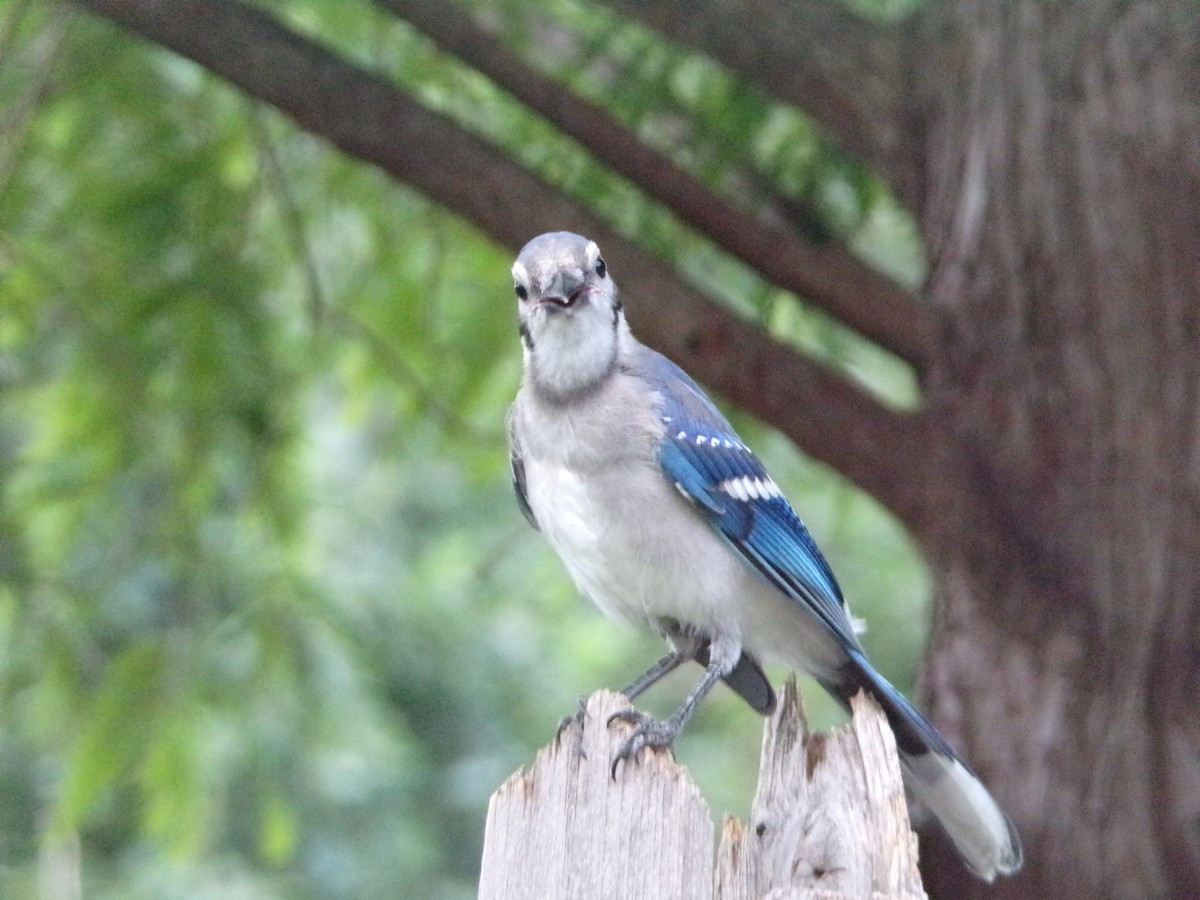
pixel 685 646
pixel 652 676
pixel 657 672
pixel 650 732
pixel 642 683
pixel 747 680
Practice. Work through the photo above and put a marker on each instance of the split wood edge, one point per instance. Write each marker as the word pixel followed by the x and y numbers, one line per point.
pixel 829 818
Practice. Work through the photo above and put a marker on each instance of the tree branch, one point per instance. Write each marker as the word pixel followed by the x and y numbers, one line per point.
pixel 848 74
pixel 829 276
pixel 373 121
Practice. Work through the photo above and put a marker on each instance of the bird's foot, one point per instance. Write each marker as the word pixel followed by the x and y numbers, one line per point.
pixel 577 719
pixel 647 732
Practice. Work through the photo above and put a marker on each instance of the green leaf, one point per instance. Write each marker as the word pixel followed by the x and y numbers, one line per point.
pixel 111 740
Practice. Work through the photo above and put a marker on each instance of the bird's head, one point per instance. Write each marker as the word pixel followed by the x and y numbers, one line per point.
pixel 571 321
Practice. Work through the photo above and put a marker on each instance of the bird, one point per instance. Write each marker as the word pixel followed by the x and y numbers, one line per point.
pixel 665 519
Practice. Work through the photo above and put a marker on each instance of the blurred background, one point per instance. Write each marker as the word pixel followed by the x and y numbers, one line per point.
pixel 271 624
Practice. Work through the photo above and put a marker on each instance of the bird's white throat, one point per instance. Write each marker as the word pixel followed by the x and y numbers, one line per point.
pixel 573 350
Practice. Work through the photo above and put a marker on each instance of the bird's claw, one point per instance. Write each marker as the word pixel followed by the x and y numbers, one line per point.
pixel 647 732
pixel 577 719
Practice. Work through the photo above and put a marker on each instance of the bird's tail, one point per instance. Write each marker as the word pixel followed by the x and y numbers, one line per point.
pixel 984 836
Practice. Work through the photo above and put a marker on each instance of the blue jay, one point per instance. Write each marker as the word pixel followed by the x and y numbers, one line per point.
pixel 665 519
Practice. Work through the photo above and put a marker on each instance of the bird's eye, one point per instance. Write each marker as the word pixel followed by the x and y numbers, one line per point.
pixel 601 268
pixel 521 291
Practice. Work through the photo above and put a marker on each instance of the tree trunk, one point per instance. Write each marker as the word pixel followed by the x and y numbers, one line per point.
pixel 1062 210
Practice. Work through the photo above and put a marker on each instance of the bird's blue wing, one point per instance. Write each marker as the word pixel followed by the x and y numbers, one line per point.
pixel 708 463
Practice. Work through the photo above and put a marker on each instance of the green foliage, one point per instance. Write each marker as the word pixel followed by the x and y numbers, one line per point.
pixel 270 623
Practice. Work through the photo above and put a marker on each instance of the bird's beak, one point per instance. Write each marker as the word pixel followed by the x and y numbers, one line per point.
pixel 563 291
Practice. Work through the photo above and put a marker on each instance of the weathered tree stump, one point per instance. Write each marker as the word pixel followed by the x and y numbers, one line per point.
pixel 829 819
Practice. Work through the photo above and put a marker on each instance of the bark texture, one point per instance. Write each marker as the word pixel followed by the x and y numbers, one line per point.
pixel 1062 210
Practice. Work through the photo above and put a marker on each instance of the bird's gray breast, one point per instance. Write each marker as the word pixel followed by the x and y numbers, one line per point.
pixel 593 482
